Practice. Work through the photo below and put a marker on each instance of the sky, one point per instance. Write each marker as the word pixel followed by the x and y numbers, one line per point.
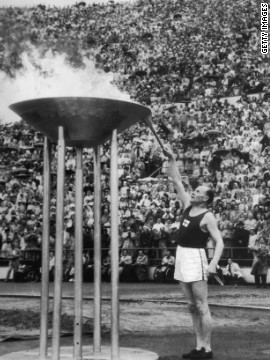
pixel 22 3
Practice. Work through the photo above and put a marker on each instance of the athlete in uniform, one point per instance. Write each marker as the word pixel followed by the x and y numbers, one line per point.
pixel 192 268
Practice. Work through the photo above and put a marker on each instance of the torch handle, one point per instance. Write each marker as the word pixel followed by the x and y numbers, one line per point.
pixel 149 123
pixel 218 279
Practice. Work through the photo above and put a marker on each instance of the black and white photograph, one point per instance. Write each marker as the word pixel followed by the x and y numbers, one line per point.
pixel 134 180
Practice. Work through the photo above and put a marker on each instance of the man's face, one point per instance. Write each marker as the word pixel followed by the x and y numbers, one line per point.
pixel 198 196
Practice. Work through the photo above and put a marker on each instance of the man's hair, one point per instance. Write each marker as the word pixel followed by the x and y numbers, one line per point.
pixel 210 194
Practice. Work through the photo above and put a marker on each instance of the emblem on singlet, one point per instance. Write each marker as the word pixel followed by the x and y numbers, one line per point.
pixel 186 223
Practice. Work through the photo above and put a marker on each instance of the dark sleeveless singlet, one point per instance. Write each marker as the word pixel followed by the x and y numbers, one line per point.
pixel 190 234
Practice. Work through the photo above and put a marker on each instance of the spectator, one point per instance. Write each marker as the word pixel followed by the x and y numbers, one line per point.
pixel 265 233
pixel 168 215
pixel 106 267
pixel 125 266
pixel 252 238
pixel 69 269
pixel 164 272
pixel 176 223
pixel 172 73
pixel 172 240
pixel 168 260
pixel 140 267
pixel 240 240
pixel 105 240
pixel 159 226
pixel 233 274
pixel 250 222
pixel 160 242
pixel 128 242
pixel 260 262
pixel 145 237
pixel 14 261
pixel 51 266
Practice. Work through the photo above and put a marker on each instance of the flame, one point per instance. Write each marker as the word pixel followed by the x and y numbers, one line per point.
pixel 51 75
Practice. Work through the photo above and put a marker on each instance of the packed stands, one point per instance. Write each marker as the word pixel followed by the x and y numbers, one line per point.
pixel 198 66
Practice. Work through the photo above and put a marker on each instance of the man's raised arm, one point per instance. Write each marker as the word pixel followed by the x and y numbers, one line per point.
pixel 177 179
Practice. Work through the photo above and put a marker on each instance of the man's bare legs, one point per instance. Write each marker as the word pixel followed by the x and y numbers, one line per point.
pixel 196 294
pixel 200 292
pixel 187 289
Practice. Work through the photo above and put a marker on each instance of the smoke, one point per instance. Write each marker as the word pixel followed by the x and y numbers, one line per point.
pixel 52 76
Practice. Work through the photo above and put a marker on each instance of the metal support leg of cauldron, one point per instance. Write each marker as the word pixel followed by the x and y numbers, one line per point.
pixel 73 114
pixel 44 304
pixel 59 245
pixel 97 252
pixel 78 298
pixel 114 249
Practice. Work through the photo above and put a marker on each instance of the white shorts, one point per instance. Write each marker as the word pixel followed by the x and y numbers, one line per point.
pixel 190 264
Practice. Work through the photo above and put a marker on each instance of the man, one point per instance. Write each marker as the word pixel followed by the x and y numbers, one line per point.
pixel 233 274
pixel 139 268
pixel 176 223
pixel 250 222
pixel 165 270
pixel 125 266
pixel 168 260
pixel 172 240
pixel 142 259
pixel 240 240
pixel 106 267
pixel 14 261
pixel 158 225
pixel 191 267
pixel 224 221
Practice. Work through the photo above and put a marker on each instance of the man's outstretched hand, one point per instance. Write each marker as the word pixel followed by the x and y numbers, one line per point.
pixel 168 152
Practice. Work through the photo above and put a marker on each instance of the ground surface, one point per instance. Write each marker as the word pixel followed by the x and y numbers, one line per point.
pixel 152 317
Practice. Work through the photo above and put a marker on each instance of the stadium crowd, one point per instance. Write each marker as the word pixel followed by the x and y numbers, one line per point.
pixel 197 65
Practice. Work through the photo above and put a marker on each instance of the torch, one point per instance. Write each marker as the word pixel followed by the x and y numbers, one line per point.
pixel 147 120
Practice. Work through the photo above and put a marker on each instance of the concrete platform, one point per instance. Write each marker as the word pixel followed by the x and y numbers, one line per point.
pixel 67 354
